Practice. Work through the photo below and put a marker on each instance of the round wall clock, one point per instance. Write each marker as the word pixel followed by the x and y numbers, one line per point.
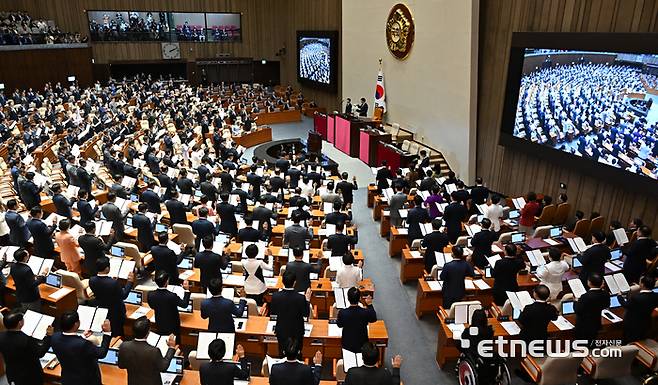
pixel 400 31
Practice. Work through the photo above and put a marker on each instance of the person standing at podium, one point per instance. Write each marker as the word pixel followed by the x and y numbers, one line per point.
pixel 362 108
pixel 348 107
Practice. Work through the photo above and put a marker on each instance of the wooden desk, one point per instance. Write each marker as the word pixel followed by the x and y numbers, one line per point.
pixel 252 138
pixel 428 300
pixel 411 268
pixel 278 117
pixel 49 305
pixel 397 241
pixel 372 192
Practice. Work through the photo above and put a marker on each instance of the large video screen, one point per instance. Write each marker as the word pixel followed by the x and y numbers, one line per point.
pixel 163 26
pixel 317 58
pixel 599 106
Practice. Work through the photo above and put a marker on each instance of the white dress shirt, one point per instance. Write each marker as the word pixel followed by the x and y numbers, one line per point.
pixel 348 276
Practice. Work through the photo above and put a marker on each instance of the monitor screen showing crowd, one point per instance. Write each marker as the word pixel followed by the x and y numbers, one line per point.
pixel 316 58
pixel 595 105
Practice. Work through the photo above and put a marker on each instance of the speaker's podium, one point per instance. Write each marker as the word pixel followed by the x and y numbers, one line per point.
pixel 343 131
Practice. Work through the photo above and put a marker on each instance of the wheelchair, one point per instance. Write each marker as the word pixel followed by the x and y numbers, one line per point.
pixel 478 371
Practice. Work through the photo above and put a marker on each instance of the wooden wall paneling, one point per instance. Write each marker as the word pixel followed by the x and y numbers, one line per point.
pixel 515 173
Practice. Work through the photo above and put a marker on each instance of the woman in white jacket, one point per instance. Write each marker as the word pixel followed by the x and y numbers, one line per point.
pixel 551 273
pixel 254 283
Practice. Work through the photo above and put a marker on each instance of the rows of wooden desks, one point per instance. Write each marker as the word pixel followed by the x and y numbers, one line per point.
pixel 53 301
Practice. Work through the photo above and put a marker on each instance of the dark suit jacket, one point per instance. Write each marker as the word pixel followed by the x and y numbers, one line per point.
pixel 185 185
pixel 364 375
pixel 433 242
pixel 152 200
pixel 588 313
pixel 453 215
pixel 339 243
pixel 290 308
pixel 504 274
pixel 86 211
pixel 79 358
pixel 113 214
pixel 227 213
pixel 637 318
pixel 637 255
pixel 21 354
pixel 295 373
pixel 85 179
pixel 27 284
pixel 452 275
pixel 534 320
pixel 94 248
pixel 143 362
pixel 145 229
pixel 19 234
pixel 248 234
pixel 177 212
pixel 336 217
pixel 221 310
pixel 354 320
pixel 210 264
pixel 165 259
pixel 110 294
pixel 302 271
pixel 62 205
pixel 347 190
pixel 594 260
pixel 209 190
pixel 42 238
pixel 165 304
pixel 415 217
pixel 201 228
pixel 30 194
pixel 481 243
pixel 223 373
pixel 479 194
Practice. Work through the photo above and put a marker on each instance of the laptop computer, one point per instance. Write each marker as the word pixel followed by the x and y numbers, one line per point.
pixel 134 298
pixel 567 308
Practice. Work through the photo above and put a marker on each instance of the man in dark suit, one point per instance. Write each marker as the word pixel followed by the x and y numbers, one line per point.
pixel 302 270
pixel 638 309
pixel 109 294
pixel 87 213
pixel 262 213
pixel 30 191
pixel 594 258
pixel 42 234
pixel 505 272
pixel 202 227
pixel 346 189
pixel 415 217
pixel 185 184
pixel 27 284
pixel 21 352
pixel 151 199
pixel 428 183
pixel 340 242
pixel 165 259
pixel 383 176
pixel 19 234
pixel 296 234
pixel 144 362
pixel 220 372
pixel 165 183
pixel 481 243
pixel 638 254
pixel 348 106
pixel 588 309
pixel 290 309
pixel 337 216
pixel 294 372
pixel 479 193
pixel 255 180
pixel 165 303
pixel 249 233
pixel 83 177
pixel 370 373
pixel 454 214
pixel 176 209
pixel 535 317
pixel 210 263
pixel 62 204
pixel 208 189
pixel 144 228
pixel 354 320
pixel 434 242
pixel 226 213
pixel 220 310
pixel 113 214
pixel 77 355
pixel 362 108
pixel 453 275
pixel 93 247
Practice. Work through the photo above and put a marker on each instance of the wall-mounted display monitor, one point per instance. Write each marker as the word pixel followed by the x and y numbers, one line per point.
pixel 586 101
pixel 317 59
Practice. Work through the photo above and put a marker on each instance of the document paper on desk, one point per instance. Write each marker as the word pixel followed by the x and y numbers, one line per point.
pixel 206 338
pixel 92 318
pixel 610 316
pixel 464 312
pixel 562 323
pixel 351 360
pixel 435 285
pixel 140 312
pixel 36 324
pixel 511 327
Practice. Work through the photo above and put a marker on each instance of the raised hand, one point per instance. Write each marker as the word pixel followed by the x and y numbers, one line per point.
pixel 396 361
pixel 171 341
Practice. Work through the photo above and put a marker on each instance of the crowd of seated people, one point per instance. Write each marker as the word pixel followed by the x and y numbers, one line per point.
pixel 187 32
pixel 160 156
pixel 582 109
pixel 18 28
pixel 136 28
